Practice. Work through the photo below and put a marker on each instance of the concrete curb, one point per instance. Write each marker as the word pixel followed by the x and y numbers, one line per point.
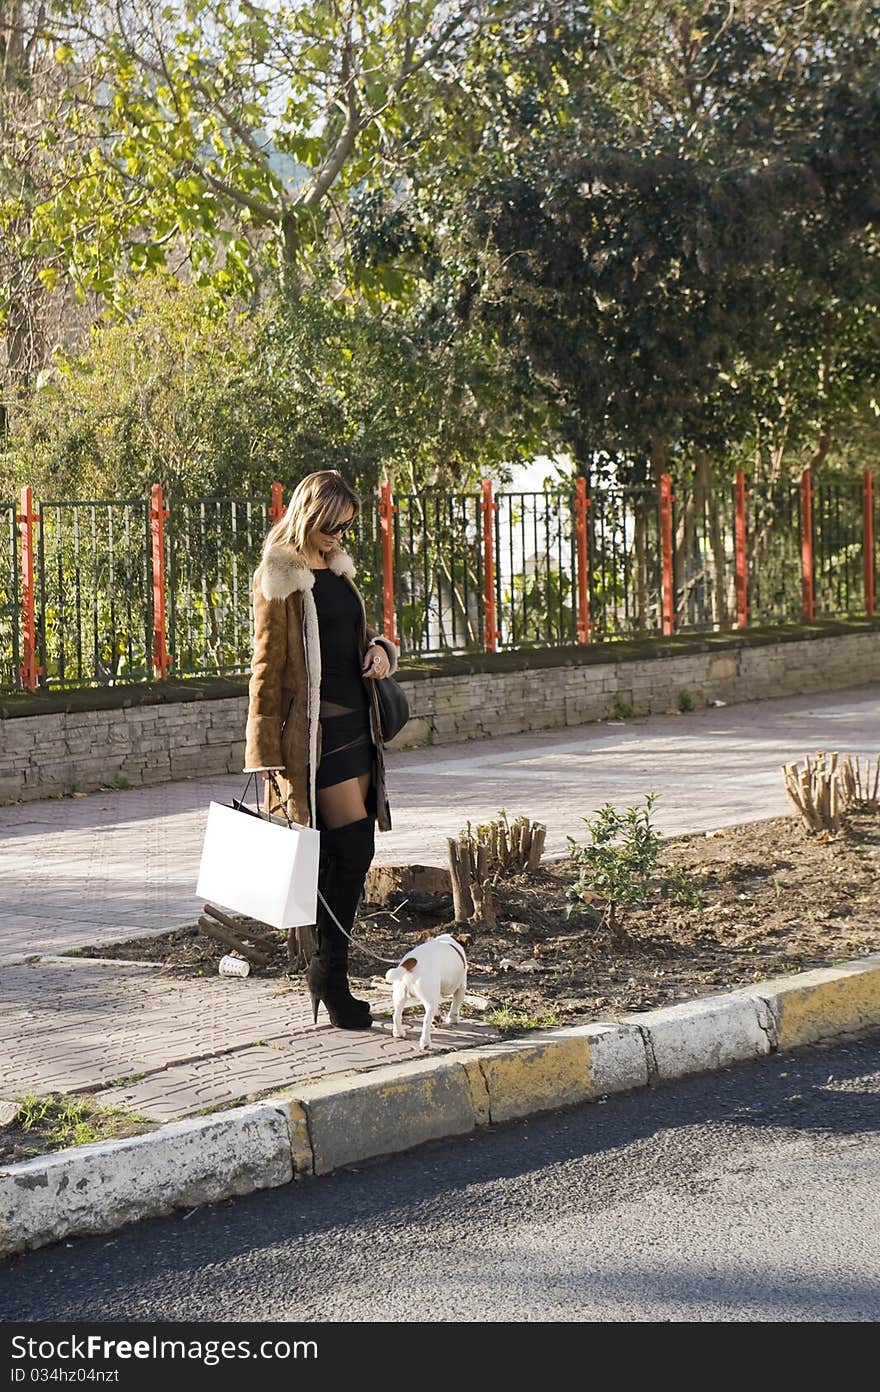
pixel 100 1187
pixel 321 1127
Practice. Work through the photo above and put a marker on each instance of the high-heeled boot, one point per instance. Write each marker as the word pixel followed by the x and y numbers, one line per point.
pixel 346 855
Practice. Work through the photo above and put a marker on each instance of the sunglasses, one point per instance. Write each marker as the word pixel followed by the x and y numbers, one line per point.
pixel 337 531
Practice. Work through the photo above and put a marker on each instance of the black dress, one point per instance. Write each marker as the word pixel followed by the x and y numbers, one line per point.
pixel 346 742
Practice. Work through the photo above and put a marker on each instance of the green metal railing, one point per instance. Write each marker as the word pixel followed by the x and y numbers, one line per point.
pixel 213 546
pixel 10 599
pixel 94 619
pixel 114 600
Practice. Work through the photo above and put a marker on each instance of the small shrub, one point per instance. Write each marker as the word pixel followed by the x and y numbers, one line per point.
pixel 617 868
pixel 618 862
pixel 685 702
pixel 621 709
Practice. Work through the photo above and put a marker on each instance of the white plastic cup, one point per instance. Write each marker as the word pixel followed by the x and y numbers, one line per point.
pixel 234 966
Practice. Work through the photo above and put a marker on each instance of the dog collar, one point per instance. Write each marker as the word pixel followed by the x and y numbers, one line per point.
pixel 453 943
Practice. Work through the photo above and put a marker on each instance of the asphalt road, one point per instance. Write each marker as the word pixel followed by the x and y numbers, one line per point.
pixel 748 1195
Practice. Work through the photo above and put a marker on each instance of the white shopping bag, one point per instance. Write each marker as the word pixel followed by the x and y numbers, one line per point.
pixel 259 868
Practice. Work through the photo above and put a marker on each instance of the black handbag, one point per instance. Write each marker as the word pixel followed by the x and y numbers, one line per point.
pixel 393 707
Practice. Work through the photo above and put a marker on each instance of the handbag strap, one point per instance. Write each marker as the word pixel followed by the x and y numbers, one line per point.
pixel 280 805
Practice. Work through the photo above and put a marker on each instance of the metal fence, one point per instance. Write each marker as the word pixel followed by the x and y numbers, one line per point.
pixel 93 596
pixel 536 569
pixel 625 562
pixel 438 567
pixel 10 598
pixel 455 573
pixel 212 546
pixel 838 526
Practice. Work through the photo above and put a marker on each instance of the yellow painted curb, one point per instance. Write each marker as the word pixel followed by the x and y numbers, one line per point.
pixel 342 1120
pixel 819 1004
pixel 300 1144
pixel 530 1075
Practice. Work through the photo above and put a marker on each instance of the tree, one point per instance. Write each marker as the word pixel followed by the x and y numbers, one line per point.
pixel 224 403
pixel 641 240
pixel 29 82
pixel 223 137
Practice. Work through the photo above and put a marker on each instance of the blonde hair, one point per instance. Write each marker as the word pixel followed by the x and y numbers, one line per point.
pixel 320 500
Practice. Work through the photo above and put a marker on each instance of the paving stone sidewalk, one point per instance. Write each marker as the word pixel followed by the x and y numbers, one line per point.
pixel 137 1038
pixel 115 865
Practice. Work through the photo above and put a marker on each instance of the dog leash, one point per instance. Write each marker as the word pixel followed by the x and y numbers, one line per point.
pixel 354 942
pixel 281 806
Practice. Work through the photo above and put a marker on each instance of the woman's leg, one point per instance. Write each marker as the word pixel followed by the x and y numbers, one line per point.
pixel 344 802
pixel 347 846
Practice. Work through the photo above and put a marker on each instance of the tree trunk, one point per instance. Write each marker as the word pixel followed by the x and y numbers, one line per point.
pixel 707 507
pixel 640 577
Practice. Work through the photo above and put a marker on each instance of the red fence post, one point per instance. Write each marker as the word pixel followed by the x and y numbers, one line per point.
pixel 868 557
pixel 667 581
pixel 491 633
pixel 739 531
pixel 581 503
pixel 808 580
pixel 386 514
pixel 276 507
pixel 158 512
pixel 28 671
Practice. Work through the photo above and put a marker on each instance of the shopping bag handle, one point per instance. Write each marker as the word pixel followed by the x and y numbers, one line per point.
pixel 279 806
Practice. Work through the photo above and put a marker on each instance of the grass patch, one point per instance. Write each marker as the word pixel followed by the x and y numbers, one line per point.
pixel 44 1124
pixel 514 1022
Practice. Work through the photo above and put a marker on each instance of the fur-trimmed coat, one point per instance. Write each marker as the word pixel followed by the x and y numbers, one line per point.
pixel 283 731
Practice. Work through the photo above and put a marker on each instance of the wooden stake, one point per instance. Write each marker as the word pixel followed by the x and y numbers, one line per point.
pixel 536 849
pixel 462 900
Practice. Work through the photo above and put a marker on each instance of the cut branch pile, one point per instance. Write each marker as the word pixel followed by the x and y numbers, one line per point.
pixel 827 786
pixel 255 947
pixel 860 783
pixel 479 857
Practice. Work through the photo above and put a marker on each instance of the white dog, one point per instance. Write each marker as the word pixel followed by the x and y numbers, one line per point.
pixel 430 973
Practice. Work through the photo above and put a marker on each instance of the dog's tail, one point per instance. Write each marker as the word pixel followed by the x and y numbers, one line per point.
pixel 400 973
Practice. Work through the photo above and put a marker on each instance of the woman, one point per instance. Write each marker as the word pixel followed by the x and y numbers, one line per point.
pixel 313 716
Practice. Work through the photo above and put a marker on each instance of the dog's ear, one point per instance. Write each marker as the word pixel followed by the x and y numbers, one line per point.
pixel 410 963
pixel 464 938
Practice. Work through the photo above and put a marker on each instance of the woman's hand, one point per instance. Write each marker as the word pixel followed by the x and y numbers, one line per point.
pixel 376 663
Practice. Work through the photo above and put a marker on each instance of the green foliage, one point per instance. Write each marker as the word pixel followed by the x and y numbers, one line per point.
pixel 621 709
pixel 516 1021
pixel 654 226
pixel 618 867
pixel 685 702
pixel 626 233
pixel 617 862
pixel 57 1121
pixel 224 133
pixel 222 405
pixel 173 396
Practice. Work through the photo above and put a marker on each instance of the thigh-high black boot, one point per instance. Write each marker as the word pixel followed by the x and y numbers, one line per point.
pixel 346 856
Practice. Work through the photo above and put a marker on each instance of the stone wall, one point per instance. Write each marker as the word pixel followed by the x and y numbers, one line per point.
pixel 502 703
pixel 83 750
